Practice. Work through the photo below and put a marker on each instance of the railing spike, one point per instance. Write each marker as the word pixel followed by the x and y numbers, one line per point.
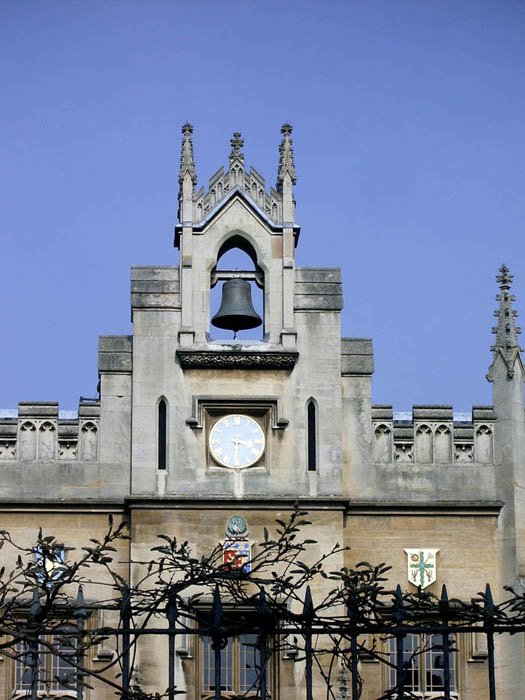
pixel 262 607
pixel 308 609
pixel 171 607
pixel 443 603
pixel 399 606
pixel 489 601
pixel 81 611
pixel 217 607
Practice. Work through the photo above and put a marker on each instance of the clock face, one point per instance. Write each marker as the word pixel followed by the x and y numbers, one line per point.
pixel 236 441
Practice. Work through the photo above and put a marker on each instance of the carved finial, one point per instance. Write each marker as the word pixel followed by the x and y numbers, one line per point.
pixel 187 163
pixel 504 278
pixel 286 159
pixel 236 143
pixel 506 332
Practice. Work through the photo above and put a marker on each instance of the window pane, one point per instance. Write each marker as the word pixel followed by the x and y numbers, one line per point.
pixel 434 661
pixel 62 671
pixel 410 662
pixel 249 664
pixel 208 667
pixel 24 668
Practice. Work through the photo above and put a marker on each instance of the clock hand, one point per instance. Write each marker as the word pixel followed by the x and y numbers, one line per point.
pixel 236 443
pixel 246 443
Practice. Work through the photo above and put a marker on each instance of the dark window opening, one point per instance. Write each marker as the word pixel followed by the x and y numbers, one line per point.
pixel 312 437
pixel 162 430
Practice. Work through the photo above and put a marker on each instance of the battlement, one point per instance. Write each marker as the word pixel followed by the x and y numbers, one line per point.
pixel 38 431
pixel 433 434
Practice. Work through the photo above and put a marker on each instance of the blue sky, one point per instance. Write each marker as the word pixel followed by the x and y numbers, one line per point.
pixel 410 150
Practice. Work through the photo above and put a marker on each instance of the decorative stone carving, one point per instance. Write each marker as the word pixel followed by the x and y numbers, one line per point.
pixel 463 452
pixel 483 445
pixel 443 444
pixel 404 452
pixel 383 445
pixel 424 444
pixel 252 183
pixel 210 359
pixel 27 441
pixel 47 442
pixel 88 442
pixel 67 449
pixel 7 449
pixel 237 143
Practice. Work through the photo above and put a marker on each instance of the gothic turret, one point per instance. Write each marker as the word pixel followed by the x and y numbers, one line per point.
pixel 286 159
pixel 507 375
pixel 506 345
pixel 187 175
pixel 286 176
pixel 187 162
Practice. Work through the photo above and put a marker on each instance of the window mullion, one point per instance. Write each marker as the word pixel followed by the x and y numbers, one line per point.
pixel 236 665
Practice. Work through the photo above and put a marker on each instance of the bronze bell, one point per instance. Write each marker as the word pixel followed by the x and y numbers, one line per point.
pixel 236 312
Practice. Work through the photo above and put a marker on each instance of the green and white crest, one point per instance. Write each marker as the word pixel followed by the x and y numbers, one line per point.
pixel 237 527
pixel 422 569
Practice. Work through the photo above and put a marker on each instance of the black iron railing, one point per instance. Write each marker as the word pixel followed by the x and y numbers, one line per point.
pixel 305 636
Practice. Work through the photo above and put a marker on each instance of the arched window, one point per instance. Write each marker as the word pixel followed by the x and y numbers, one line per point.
pixel 162 431
pixel 311 421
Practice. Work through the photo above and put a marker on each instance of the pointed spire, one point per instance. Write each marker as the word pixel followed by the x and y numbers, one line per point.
pixel 506 331
pixel 237 143
pixel 187 163
pixel 286 159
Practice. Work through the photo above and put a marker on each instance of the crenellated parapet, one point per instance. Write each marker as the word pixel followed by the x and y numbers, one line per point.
pixel 433 435
pixel 38 432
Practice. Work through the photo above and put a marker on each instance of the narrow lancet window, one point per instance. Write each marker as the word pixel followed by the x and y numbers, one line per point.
pixel 312 435
pixel 162 434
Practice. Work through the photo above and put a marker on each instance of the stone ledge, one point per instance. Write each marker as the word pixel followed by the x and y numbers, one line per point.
pixel 241 359
pixel 489 508
pixel 318 302
pixel 318 274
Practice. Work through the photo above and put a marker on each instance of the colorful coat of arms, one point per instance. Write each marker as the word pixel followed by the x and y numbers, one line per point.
pixel 422 566
pixel 237 550
pixel 237 553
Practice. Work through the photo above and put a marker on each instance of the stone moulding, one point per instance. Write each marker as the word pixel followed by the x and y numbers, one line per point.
pixel 242 359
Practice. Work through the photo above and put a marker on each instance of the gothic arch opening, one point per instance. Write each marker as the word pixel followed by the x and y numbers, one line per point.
pixel 237 258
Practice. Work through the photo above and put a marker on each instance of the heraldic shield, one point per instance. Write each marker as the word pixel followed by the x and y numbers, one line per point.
pixel 422 569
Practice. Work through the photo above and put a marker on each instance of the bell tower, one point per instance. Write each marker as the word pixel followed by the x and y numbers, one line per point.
pixel 236 418
pixel 237 212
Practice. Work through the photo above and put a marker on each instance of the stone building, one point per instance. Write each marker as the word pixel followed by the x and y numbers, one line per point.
pixel 377 481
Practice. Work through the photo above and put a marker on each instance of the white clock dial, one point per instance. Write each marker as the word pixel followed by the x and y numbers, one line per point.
pixel 236 441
